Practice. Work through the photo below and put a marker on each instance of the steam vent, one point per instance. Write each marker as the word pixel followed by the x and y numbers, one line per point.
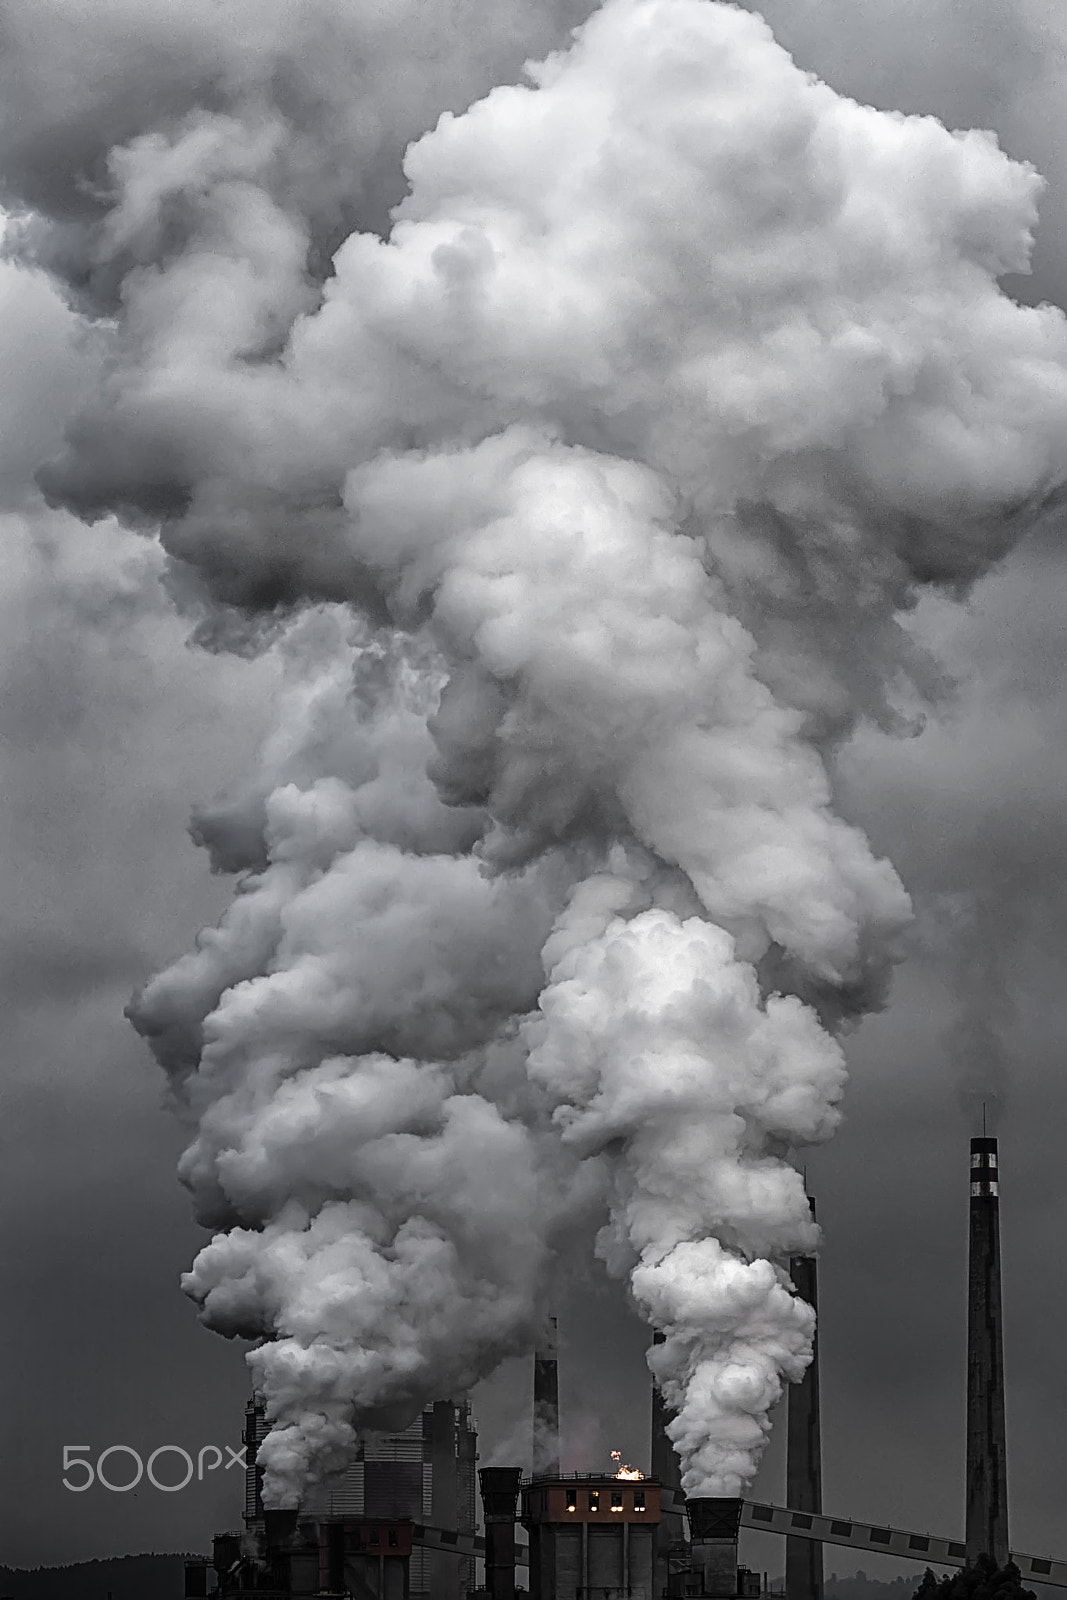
pixel 987 1465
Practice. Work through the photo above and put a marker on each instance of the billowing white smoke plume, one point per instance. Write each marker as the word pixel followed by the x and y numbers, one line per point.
pixel 608 467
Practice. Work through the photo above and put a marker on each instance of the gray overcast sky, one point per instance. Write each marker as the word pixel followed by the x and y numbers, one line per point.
pixel 112 727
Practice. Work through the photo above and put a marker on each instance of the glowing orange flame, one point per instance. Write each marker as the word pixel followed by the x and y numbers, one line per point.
pixel 625 1471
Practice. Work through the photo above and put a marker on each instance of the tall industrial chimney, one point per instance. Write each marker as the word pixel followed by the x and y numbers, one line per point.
pixel 439 1433
pixel 500 1495
pixel 803 1468
pixel 546 1403
pixel 987 1460
pixel 665 1467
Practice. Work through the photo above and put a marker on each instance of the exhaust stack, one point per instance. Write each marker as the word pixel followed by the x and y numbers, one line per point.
pixel 546 1403
pixel 987 1460
pixel 713 1528
pixel 440 1434
pixel 500 1494
pixel 279 1527
pixel 666 1468
pixel 803 1469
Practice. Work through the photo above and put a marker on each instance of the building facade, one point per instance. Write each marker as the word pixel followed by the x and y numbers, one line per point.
pixel 591 1537
pixel 425 1474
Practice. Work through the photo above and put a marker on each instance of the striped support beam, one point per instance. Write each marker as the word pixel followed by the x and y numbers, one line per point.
pixel 924 1547
pixel 859 1535
pixel 460 1544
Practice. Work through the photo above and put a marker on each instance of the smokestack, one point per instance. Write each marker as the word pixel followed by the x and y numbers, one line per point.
pixel 666 1467
pixel 500 1493
pixel 664 1458
pixel 546 1403
pixel 713 1528
pixel 803 1470
pixel 279 1527
pixel 987 1462
pixel 444 1570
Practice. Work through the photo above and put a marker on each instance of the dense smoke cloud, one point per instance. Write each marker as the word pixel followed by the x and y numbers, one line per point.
pixel 994 64
pixel 328 95
pixel 673 378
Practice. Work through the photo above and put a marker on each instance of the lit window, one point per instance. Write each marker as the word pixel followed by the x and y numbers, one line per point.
pixel 616 1499
pixel 639 1499
pixel 572 1499
pixel 594 1499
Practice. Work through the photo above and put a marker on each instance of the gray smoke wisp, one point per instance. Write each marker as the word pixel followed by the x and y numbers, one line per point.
pixel 602 471
pixel 983 932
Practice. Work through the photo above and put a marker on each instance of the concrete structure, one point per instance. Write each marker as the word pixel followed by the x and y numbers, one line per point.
pixel 713 1572
pixel 500 1494
pixel 546 1402
pixel 987 1461
pixel 671 1545
pixel 591 1537
pixel 452 1447
pixel 803 1469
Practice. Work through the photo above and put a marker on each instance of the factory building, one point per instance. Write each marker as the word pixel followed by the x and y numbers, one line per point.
pixel 425 1474
pixel 291 1556
pixel 593 1536
pixel 355 1533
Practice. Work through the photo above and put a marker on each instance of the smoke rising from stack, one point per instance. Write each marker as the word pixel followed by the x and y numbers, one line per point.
pixel 986 928
pixel 545 1455
pixel 606 471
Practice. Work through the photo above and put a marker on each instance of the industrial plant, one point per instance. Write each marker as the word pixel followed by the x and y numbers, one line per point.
pixel 400 1524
